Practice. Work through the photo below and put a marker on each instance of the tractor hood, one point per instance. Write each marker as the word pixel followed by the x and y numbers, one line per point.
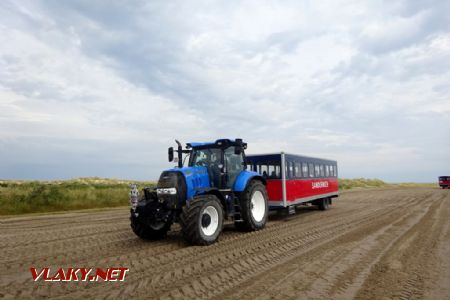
pixel 196 179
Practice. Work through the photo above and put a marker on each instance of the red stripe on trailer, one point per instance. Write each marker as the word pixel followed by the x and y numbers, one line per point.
pixel 296 189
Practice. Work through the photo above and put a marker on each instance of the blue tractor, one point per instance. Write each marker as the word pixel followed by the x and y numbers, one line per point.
pixel 215 186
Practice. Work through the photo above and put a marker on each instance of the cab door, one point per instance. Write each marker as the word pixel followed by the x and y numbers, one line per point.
pixel 234 165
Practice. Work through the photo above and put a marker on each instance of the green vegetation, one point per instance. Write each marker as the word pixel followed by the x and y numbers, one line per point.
pixel 18 197
pixel 346 184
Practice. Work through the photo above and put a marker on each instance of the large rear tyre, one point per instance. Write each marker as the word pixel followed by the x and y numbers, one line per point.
pixel 149 230
pixel 202 220
pixel 254 207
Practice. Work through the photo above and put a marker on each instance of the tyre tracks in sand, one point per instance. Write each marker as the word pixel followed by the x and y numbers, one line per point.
pixel 370 244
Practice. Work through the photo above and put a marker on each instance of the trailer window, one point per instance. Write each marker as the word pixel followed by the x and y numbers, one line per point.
pixel 334 170
pixel 272 173
pixel 263 170
pixel 270 170
pixel 305 170
pixel 311 170
pixel 298 170
pixel 291 169
pixel 322 172
pixel 316 171
pixel 327 170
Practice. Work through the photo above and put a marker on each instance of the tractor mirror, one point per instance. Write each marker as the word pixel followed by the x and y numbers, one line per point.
pixel 237 150
pixel 170 152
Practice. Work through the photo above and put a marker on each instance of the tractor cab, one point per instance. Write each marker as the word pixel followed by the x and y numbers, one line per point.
pixel 224 161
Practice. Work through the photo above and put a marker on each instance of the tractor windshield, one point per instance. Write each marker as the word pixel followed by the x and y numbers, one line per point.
pixel 205 157
pixel 211 158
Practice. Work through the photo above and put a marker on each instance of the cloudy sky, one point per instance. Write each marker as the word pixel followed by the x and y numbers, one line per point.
pixel 102 88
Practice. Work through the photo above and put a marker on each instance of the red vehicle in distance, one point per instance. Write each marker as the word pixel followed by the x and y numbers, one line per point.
pixel 292 180
pixel 444 182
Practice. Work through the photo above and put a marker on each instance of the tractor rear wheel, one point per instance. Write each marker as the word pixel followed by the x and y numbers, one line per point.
pixel 254 207
pixel 149 230
pixel 202 220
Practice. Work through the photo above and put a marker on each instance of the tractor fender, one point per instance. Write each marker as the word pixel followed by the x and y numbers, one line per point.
pixel 244 178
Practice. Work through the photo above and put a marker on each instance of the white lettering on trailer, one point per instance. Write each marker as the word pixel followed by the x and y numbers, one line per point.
pixel 320 184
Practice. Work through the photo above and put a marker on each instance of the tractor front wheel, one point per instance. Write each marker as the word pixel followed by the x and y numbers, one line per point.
pixel 149 230
pixel 202 220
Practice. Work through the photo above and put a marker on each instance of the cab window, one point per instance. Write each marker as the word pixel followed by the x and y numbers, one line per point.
pixel 234 164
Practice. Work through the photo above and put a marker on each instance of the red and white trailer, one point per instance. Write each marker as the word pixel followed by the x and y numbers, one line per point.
pixel 294 179
pixel 444 182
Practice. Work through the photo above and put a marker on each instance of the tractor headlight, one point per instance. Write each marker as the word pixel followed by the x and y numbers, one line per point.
pixel 166 191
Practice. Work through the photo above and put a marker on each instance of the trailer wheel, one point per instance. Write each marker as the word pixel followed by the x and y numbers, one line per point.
pixel 202 220
pixel 254 207
pixel 323 203
pixel 149 231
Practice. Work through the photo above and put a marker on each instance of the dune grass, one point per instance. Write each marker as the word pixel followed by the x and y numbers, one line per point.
pixel 346 184
pixel 20 197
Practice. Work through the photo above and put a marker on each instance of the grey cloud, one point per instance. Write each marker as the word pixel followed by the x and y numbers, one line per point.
pixel 189 70
pixel 145 36
pixel 409 24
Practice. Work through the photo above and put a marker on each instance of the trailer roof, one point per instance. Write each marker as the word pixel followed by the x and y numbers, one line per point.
pixel 291 155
